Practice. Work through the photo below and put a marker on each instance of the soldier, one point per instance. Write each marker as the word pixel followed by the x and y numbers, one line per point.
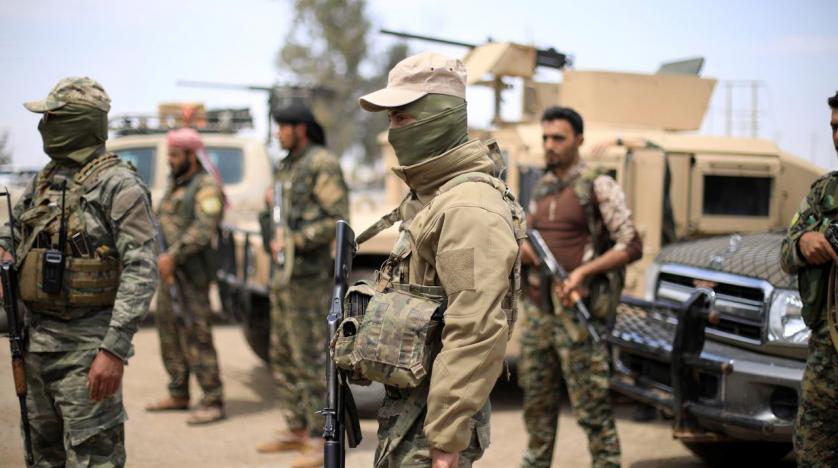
pixel 582 215
pixel 80 329
pixel 189 214
pixel 807 252
pixel 314 198
pixel 458 249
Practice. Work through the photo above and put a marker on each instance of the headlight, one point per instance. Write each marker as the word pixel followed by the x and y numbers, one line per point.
pixel 651 281
pixel 785 323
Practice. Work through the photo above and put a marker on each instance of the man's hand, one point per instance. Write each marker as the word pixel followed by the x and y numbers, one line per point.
pixel 440 459
pixel 105 375
pixel 278 243
pixel 5 256
pixel 570 289
pixel 166 267
pixel 816 249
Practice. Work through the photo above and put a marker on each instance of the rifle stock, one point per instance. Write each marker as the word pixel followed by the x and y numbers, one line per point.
pixel 341 425
pixel 9 279
pixel 552 267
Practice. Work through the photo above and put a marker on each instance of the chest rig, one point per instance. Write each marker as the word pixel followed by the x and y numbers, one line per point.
pixel 90 276
pixel 396 339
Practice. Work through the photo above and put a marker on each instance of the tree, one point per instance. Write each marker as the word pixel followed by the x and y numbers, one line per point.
pixel 329 45
pixel 5 152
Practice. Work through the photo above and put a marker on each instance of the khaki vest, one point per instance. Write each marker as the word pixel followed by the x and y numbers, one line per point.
pixel 88 282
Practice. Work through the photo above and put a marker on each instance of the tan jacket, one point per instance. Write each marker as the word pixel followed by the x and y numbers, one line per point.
pixel 462 240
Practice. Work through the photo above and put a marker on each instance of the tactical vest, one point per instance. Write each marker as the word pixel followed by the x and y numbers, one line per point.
pixel 605 289
pixel 88 282
pixel 201 267
pixel 398 336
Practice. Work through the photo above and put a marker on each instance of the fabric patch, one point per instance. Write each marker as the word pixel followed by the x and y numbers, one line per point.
pixel 794 219
pixel 328 190
pixel 456 270
pixel 211 206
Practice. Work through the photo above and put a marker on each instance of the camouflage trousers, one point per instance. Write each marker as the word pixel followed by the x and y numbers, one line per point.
pixel 186 343
pixel 412 450
pixel 548 356
pixel 816 425
pixel 68 428
pixel 298 349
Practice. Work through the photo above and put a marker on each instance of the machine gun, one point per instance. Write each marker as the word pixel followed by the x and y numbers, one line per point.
pixel 556 271
pixel 8 276
pixel 175 288
pixel 340 412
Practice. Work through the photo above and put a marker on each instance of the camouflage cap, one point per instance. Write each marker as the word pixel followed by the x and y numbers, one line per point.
pixel 73 89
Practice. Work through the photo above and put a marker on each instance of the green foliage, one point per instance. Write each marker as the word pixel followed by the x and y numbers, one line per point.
pixel 330 44
pixel 5 153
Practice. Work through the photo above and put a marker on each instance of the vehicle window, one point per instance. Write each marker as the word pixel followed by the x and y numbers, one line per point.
pixel 736 195
pixel 142 159
pixel 230 163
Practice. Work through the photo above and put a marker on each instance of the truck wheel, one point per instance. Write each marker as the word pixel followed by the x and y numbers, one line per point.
pixel 745 453
pixel 257 326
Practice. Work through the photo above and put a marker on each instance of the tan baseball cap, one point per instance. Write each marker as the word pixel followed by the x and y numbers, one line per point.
pixel 418 76
pixel 73 89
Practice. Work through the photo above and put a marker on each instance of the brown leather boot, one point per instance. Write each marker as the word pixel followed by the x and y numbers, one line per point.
pixel 311 456
pixel 285 441
pixel 205 414
pixel 169 404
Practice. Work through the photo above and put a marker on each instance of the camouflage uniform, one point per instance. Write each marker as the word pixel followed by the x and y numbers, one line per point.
pixel 816 425
pixel 68 428
pixel 315 198
pixel 186 342
pixel 554 347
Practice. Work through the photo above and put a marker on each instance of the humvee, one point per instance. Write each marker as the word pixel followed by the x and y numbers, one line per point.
pixel 711 212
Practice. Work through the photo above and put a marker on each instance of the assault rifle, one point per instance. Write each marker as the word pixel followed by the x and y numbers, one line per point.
pixel 552 267
pixel 276 221
pixel 175 288
pixel 340 412
pixel 8 276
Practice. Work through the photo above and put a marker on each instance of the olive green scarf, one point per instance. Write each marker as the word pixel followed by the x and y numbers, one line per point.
pixel 441 125
pixel 73 133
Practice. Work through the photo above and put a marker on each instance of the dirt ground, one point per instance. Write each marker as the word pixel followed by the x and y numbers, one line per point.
pixel 164 440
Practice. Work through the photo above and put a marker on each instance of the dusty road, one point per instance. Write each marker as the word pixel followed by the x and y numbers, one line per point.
pixel 164 440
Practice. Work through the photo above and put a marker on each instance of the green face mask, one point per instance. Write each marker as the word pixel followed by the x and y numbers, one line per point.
pixel 73 132
pixel 441 124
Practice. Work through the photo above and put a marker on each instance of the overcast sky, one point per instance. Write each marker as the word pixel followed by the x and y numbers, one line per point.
pixel 138 50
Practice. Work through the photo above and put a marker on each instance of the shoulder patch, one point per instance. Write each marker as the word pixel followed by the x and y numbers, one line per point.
pixel 210 205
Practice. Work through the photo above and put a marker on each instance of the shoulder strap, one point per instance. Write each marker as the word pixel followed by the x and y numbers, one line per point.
pixel 187 208
pixel 385 222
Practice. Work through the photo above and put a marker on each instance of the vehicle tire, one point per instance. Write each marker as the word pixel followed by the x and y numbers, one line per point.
pixel 742 453
pixel 257 326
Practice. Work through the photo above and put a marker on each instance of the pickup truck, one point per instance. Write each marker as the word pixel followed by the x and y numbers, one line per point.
pixel 740 395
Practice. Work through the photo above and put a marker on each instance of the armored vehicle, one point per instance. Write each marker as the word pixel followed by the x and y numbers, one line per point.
pixel 711 212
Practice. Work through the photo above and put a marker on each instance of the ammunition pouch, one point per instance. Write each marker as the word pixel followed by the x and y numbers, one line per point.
pixel 605 291
pixel 396 339
pixel 87 283
pixel 812 283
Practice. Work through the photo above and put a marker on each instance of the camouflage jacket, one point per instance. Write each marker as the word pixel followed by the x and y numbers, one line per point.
pixel 117 216
pixel 315 197
pixel 190 224
pixel 817 211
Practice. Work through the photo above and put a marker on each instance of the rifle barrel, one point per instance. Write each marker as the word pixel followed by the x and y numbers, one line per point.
pixel 405 35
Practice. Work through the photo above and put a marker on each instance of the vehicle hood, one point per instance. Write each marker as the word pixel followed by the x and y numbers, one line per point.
pixel 754 255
